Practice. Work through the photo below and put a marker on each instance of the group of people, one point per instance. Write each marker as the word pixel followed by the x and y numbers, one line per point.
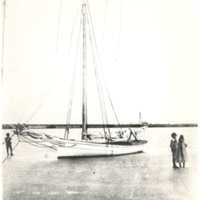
pixel 178 149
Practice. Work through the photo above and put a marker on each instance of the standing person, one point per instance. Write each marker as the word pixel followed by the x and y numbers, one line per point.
pixel 174 147
pixel 181 152
pixel 8 144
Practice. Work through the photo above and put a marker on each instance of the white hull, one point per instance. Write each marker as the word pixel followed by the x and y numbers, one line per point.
pixel 87 149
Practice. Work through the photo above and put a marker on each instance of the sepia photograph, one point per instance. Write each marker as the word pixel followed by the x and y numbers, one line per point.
pixel 99 100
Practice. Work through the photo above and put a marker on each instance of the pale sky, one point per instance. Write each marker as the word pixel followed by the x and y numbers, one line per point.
pixel 148 52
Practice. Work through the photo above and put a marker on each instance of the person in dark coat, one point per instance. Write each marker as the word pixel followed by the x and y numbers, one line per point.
pixel 8 144
pixel 174 147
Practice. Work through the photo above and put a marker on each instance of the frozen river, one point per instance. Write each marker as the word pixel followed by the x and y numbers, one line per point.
pixel 36 173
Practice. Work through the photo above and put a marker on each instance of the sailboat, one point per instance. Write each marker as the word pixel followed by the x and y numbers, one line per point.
pixel 89 145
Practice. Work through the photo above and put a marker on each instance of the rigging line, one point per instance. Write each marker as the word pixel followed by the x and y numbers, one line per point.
pixel 72 32
pixel 28 103
pixel 73 80
pixel 60 6
pixel 10 137
pixel 101 65
pixel 102 106
pixel 95 63
pixel 52 81
pixel 98 88
pixel 120 27
pixel 100 91
pixel 36 144
pixel 36 84
pixel 97 77
pixel 41 143
pixel 109 97
pixel 74 74
pixel 45 96
pixel 59 17
pixel 101 94
pixel 34 89
pixel 3 37
pixel 13 150
pixel 104 22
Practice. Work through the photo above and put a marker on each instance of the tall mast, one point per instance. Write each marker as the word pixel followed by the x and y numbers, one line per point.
pixel 84 106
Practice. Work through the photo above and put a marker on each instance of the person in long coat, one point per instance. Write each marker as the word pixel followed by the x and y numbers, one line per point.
pixel 181 152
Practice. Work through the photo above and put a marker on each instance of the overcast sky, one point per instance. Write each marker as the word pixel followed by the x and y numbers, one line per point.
pixel 148 52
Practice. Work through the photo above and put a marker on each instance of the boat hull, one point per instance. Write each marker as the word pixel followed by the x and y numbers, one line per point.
pixel 89 149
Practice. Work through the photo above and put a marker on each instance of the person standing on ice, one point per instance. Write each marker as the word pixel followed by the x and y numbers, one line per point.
pixel 174 147
pixel 181 152
pixel 8 144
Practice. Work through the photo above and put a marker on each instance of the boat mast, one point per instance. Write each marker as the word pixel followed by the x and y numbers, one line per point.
pixel 84 103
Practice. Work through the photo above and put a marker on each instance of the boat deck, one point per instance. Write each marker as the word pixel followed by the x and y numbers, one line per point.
pixel 132 142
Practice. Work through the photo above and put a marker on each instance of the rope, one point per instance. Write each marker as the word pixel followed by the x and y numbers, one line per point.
pixel 52 143
pixel 104 22
pixel 45 96
pixel 29 101
pixel 73 82
pixel 101 64
pixel 58 24
pixel 36 84
pixel 43 99
pixel 10 137
pixel 120 25
pixel 35 143
pixel 72 32
pixel 34 137
pixel 55 77
pixel 3 36
pixel 97 77
pixel 99 91
pixel 101 67
pixel 99 88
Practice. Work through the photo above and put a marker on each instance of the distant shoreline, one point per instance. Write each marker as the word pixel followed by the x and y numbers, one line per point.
pixel 74 126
